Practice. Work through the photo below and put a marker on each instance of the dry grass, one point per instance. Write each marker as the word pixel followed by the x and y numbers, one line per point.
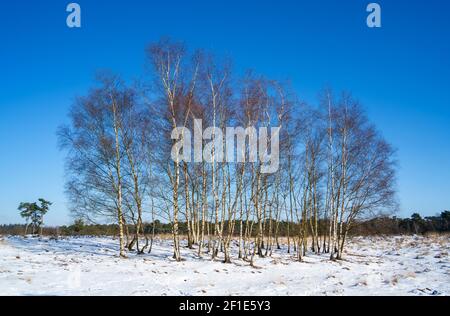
pixel 410 274
pixel 437 235
pixel 284 240
pixel 394 280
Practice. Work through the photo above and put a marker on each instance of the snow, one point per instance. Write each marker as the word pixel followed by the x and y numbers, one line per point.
pixel 403 265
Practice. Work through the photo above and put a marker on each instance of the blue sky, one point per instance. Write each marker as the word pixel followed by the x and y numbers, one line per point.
pixel 400 72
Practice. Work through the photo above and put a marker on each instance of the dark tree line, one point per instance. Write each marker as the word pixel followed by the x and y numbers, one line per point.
pixel 376 226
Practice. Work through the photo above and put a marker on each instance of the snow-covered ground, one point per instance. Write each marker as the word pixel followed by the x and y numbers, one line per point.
pixel 90 266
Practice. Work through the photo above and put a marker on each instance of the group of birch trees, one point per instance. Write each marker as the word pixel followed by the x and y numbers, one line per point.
pixel 334 166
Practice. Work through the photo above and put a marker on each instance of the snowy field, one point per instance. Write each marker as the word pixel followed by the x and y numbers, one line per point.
pixel 90 266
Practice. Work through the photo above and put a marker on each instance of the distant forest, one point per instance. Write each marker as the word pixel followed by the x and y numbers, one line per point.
pixel 377 226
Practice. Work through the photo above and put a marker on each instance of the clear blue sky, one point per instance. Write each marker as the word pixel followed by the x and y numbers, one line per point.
pixel 400 72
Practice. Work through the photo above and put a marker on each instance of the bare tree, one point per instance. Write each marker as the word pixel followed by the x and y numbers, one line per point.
pixel 334 168
pixel 95 153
